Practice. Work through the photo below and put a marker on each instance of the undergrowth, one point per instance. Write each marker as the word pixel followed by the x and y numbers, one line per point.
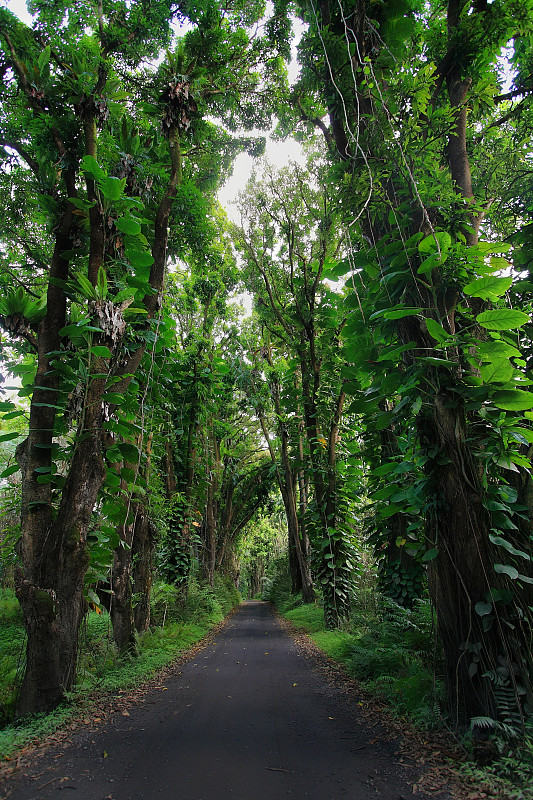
pixel 101 670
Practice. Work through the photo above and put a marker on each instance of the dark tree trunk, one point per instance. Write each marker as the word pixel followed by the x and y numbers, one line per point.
pixel 463 571
pixel 287 489
pixel 143 552
pixel 50 585
pixel 334 555
pixel 121 607
pixel 294 567
pixel 54 552
pixel 209 539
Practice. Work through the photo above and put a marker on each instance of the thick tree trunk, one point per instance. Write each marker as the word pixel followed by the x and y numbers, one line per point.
pixel 50 586
pixel 54 551
pixel 401 577
pixel 462 574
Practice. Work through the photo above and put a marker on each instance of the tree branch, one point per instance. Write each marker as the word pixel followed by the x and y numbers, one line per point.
pixel 32 163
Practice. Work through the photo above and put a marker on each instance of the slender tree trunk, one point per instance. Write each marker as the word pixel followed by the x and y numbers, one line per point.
pixel 210 534
pixel 334 554
pixel 121 607
pixel 286 486
pixel 143 557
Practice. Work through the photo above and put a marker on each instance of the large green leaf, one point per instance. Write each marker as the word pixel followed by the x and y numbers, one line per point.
pixel 498 371
pixel 8 437
pixel 502 319
pixel 139 258
pixel 112 479
pixel 498 540
pixel 513 400
pixel 506 569
pixel 129 451
pixel 489 287
pixel 113 188
pixel 439 241
pixel 128 225
pixel 10 471
pixel 496 349
pixel 90 165
pixel 102 351
pixel 436 331
pixel 399 313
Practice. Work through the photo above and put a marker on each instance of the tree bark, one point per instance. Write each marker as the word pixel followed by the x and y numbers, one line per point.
pixel 143 556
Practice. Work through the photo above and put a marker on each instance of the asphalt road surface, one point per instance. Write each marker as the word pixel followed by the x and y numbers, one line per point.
pixel 247 718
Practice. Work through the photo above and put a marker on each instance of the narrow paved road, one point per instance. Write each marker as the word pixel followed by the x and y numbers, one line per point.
pixel 247 718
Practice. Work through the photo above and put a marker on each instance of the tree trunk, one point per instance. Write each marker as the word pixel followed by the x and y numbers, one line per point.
pixel 287 487
pixel 142 552
pixel 294 566
pixel 461 574
pixel 334 556
pixel 121 607
pixel 50 584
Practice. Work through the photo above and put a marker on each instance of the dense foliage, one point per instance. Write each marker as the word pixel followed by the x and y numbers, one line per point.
pixel 376 401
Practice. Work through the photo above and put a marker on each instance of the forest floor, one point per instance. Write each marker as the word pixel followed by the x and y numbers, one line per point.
pixel 250 716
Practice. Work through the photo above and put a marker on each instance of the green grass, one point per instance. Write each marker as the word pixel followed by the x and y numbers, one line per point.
pixel 309 618
pixel 101 670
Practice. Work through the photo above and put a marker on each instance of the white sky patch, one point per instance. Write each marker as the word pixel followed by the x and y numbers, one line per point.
pixel 18 7
pixel 279 154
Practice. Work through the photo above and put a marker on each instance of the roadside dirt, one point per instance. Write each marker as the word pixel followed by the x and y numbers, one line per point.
pixel 252 715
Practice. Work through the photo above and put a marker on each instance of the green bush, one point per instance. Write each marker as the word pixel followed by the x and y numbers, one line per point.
pixel 227 593
pixel 169 604
pixel 9 607
pixel 374 660
pixel 12 641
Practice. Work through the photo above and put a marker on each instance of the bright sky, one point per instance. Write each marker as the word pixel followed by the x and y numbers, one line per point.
pixel 277 153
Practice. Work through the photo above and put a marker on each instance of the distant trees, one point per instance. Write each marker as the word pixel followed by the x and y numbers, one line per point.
pixel 289 241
